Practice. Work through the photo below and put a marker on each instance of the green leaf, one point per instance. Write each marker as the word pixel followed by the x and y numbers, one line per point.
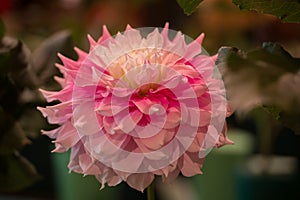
pixel 16 173
pixel 286 10
pixel 273 111
pixel 189 6
pixel 267 76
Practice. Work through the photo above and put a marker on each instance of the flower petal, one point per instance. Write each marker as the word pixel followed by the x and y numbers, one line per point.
pixel 140 181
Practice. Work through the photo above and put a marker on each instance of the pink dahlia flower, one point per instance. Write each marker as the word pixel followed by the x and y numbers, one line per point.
pixel 138 105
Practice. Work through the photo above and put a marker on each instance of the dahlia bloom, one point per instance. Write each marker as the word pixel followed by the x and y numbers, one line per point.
pixel 138 106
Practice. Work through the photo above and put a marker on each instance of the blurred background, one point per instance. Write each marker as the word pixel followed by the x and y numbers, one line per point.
pixel 230 173
pixel 222 22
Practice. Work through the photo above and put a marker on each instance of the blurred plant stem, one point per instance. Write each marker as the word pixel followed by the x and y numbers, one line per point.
pixel 266 129
pixel 150 192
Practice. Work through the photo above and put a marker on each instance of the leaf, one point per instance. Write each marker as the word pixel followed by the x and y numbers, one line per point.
pixel 268 76
pixel 32 122
pixel 189 6
pixel 14 63
pixel 16 173
pixel 12 136
pixel 286 10
pixel 18 100
pixel 45 56
pixel 272 111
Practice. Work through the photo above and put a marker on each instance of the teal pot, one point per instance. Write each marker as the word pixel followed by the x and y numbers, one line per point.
pixel 217 180
pixel 73 186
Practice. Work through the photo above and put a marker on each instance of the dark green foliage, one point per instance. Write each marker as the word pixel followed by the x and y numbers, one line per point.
pixel 21 74
pixel 286 10
pixel 189 6
pixel 268 76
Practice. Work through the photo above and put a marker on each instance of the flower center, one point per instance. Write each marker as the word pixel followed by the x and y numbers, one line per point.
pixel 145 89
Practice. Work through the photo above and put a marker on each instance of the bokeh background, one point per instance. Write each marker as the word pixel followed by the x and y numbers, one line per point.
pixel 224 24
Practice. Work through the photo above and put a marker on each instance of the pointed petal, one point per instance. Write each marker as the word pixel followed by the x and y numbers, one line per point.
pixel 140 181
